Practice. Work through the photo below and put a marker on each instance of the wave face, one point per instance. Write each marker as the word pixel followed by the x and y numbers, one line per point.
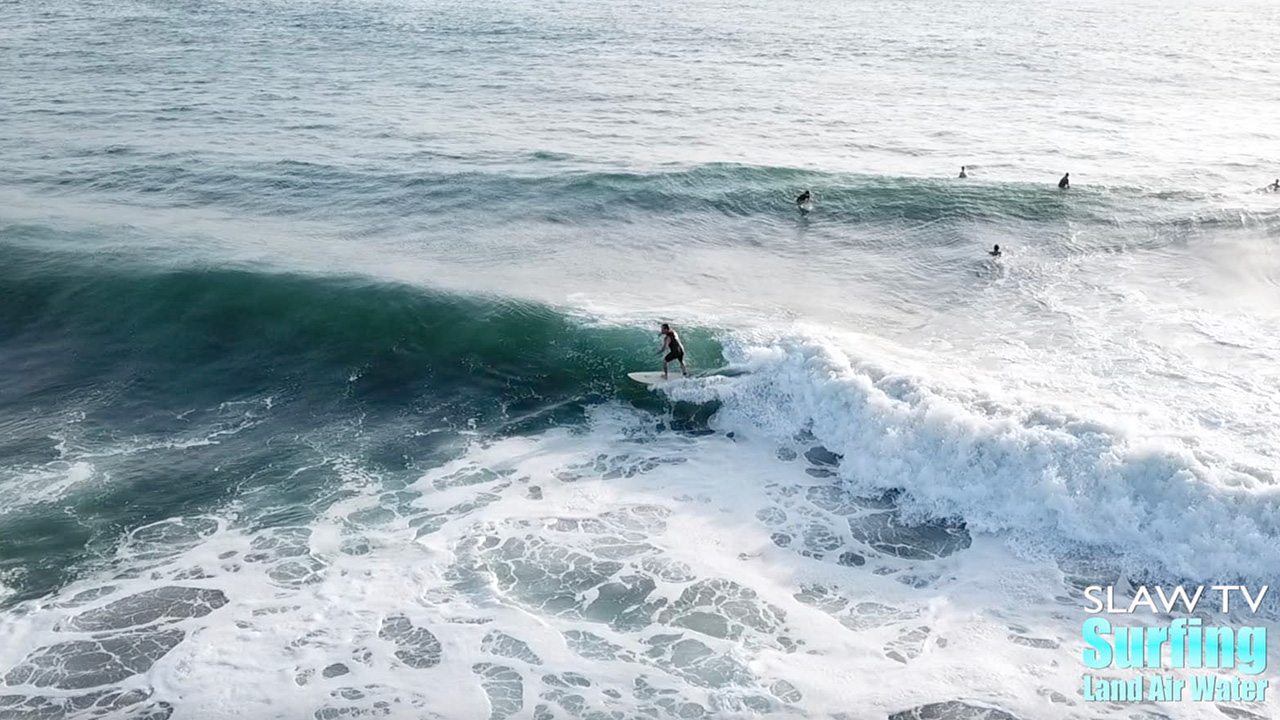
pixel 221 332
pixel 163 388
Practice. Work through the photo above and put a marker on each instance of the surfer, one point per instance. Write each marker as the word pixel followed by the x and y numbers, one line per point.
pixel 1065 182
pixel 963 174
pixel 1274 187
pixel 672 347
pixel 995 251
pixel 801 199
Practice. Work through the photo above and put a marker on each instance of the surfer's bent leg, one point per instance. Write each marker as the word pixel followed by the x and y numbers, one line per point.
pixel 676 355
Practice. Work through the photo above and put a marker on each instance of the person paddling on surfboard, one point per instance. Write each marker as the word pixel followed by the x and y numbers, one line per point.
pixel 672 347
pixel 995 251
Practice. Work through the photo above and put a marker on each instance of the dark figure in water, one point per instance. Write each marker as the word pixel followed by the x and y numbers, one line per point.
pixel 995 251
pixel 803 198
pixel 1275 186
pixel 1065 182
pixel 963 174
pixel 672 347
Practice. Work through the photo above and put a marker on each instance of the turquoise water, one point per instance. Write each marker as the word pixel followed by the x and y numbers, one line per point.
pixel 315 319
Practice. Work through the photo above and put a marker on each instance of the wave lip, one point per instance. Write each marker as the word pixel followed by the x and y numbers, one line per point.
pixel 1053 483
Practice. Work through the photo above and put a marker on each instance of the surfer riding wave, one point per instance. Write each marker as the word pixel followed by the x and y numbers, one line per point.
pixel 673 349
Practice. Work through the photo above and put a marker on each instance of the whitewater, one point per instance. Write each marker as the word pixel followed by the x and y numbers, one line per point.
pixel 315 319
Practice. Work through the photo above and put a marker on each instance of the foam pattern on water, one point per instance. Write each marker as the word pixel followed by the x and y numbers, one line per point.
pixel 617 573
pixel 1049 481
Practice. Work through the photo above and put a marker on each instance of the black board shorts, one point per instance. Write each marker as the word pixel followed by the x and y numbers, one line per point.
pixel 674 355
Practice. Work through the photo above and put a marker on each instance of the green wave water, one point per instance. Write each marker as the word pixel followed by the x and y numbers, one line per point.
pixel 190 388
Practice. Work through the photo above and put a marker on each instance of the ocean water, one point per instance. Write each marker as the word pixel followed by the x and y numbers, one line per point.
pixel 315 319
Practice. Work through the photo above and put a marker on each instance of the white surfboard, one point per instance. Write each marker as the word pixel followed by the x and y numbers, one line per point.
pixel 651 378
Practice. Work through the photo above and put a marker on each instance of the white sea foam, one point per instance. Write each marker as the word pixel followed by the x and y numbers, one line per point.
pixel 624 569
pixel 1040 475
pixel 46 483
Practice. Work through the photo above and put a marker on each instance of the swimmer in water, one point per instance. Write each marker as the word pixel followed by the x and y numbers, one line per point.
pixel 674 350
pixel 803 198
pixel 995 251
pixel 1275 186
pixel 1065 182
pixel 963 174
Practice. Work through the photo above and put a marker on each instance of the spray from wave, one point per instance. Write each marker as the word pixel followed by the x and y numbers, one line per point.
pixel 1052 482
